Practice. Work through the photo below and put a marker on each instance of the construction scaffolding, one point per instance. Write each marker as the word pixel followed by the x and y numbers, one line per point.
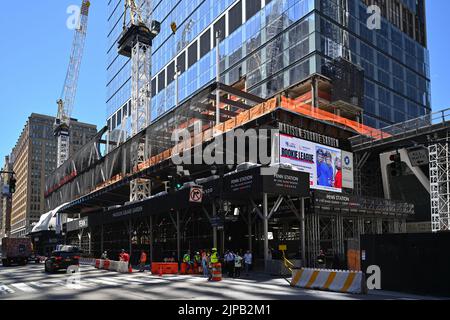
pixel 439 154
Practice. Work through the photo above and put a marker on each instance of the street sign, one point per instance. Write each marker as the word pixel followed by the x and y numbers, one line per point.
pixel 282 247
pixel 216 222
pixel 196 195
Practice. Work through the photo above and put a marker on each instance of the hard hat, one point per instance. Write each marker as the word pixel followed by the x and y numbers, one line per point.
pixel 214 249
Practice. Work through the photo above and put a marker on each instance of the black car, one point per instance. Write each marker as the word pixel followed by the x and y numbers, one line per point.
pixel 62 259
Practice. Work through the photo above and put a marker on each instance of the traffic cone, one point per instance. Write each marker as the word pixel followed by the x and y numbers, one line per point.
pixel 130 269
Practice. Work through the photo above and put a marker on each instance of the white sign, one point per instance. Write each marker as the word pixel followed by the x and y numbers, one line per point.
pixel 196 195
pixel 324 164
pixel 347 170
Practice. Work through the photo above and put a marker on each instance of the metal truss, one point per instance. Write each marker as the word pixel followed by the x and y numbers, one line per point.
pixel 440 186
pixel 140 189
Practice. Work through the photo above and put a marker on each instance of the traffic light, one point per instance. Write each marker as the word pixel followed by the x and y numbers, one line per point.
pixel 12 185
pixel 174 184
pixel 397 166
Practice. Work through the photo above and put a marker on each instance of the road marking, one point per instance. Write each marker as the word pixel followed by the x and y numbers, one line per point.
pixel 108 282
pixel 5 290
pixel 23 287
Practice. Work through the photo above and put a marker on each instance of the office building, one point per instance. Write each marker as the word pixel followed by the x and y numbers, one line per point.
pixel 34 158
pixel 270 45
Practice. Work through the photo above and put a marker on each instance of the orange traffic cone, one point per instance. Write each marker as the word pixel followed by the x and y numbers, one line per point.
pixel 130 269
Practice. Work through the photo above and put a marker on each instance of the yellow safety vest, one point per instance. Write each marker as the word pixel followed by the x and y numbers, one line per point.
pixel 214 258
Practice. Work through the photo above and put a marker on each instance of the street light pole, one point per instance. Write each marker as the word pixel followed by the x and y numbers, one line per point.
pixel 217 77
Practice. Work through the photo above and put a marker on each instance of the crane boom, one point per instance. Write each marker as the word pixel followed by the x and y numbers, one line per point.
pixel 67 99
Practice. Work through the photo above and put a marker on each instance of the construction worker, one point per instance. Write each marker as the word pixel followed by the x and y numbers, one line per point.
pixel 187 261
pixel 142 261
pixel 197 261
pixel 213 260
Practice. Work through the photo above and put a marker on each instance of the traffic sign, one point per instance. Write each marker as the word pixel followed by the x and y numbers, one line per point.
pixel 196 195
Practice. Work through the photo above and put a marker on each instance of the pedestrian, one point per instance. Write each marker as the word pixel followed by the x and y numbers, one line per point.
pixel 230 263
pixel 248 260
pixel 142 261
pixel 237 265
pixel 104 255
pixel 121 255
pixel 205 263
pixel 321 259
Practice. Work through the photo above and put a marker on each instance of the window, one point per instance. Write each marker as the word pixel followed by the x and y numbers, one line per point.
pixel 181 62
pixel 205 43
pixel 192 54
pixel 170 72
pixel 162 80
pixel 235 17
pixel 253 6
pixel 219 26
pixel 154 89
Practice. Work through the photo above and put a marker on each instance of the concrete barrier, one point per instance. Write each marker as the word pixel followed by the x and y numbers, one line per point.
pixel 329 280
pixel 110 265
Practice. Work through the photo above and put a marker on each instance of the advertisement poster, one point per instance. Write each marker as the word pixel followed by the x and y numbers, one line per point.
pixel 324 164
pixel 347 170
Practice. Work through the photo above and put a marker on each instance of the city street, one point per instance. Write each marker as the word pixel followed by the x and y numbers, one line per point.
pixel 31 283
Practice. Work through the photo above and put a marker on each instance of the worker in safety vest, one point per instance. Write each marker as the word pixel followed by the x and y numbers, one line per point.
pixel 187 261
pixel 213 261
pixel 197 261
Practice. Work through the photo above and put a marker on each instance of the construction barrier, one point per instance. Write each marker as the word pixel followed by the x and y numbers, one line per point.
pixel 110 265
pixel 160 268
pixel 216 272
pixel 330 280
pixel 194 269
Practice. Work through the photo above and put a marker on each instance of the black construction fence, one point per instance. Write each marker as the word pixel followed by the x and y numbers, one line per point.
pixel 413 263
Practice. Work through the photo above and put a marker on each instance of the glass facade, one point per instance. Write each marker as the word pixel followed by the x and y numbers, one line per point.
pixel 273 44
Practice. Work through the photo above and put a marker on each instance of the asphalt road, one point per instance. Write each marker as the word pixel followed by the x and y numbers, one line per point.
pixel 32 283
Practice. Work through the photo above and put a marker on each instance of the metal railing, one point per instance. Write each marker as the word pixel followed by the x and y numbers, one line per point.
pixel 403 128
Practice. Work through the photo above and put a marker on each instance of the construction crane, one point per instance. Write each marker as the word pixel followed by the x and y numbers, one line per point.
pixel 136 42
pixel 67 98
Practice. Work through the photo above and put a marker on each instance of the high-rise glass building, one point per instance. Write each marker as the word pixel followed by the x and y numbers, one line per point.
pixel 270 45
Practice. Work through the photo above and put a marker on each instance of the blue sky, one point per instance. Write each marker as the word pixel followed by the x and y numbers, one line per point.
pixel 34 54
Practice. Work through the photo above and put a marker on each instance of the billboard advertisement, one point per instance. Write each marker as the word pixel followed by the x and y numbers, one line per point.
pixel 323 163
pixel 347 170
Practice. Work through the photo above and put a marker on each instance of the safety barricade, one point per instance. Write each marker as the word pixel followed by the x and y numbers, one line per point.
pixel 216 270
pixel 119 266
pixel 329 280
pixel 194 269
pixel 161 268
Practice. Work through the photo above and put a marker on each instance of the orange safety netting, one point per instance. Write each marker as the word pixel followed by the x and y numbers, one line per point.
pixel 299 106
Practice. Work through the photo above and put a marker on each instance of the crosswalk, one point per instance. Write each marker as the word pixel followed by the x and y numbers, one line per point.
pixel 89 278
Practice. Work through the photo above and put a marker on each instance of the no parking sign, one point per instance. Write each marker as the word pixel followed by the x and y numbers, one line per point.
pixel 196 194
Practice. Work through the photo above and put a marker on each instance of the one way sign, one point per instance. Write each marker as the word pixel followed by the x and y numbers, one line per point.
pixel 196 195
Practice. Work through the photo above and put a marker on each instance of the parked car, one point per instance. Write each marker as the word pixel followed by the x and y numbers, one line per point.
pixel 62 259
pixel 16 251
